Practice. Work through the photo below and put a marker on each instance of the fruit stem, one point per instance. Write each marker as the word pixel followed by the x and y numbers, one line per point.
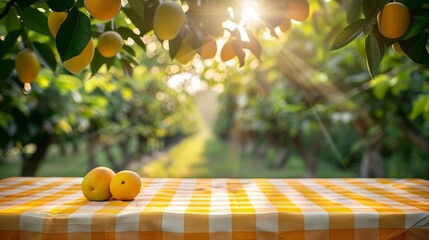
pixel 27 88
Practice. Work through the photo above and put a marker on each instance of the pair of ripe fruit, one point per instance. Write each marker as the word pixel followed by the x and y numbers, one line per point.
pixel 109 44
pixel 101 184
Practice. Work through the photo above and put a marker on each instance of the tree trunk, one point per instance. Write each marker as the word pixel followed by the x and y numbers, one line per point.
pixel 32 163
pixel 126 155
pixel 309 155
pixel 110 157
pixel 63 149
pixel 75 147
pixel 282 156
pixel 372 163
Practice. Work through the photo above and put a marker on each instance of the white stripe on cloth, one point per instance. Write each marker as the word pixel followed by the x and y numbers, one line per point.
pixel 266 214
pixel 173 216
pixel 220 219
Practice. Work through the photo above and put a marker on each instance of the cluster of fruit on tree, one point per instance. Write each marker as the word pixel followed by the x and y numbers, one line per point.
pixel 169 21
pixel 101 184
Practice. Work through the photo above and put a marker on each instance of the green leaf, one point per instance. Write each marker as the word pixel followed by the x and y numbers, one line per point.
pixel 66 82
pixel 129 50
pixel 128 33
pixel 373 57
pixel 413 4
pixel 415 48
pixel 254 46
pixel 9 41
pixel 175 44
pixel 60 5
pixel 380 85
pixel 11 21
pixel 23 4
pixel 347 35
pixel 196 36
pixel 137 7
pixel 73 35
pixel 354 11
pixel 6 68
pixel 371 15
pixel 128 69
pixel 98 61
pixel 419 22
pixel 45 54
pixel 34 20
pixel 419 106
pixel 148 15
pixel 135 18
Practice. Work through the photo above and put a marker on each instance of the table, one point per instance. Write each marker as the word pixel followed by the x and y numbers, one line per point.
pixel 54 208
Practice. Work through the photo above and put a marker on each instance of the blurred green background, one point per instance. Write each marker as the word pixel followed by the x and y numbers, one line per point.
pixel 300 110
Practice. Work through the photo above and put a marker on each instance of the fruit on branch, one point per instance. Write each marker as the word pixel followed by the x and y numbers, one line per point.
pixel 110 43
pixel 298 10
pixel 186 53
pixel 103 10
pixel 209 48
pixel 285 25
pixel 168 20
pixel 55 19
pixel 78 63
pixel 27 65
pixel 393 20
pixel 227 52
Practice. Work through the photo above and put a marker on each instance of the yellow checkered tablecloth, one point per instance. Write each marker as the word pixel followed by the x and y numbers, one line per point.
pixel 343 209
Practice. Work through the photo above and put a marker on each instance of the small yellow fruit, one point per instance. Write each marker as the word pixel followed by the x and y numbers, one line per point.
pixel 397 48
pixel 55 19
pixel 227 53
pixel 393 20
pixel 103 10
pixel 298 10
pixel 96 184
pixel 125 185
pixel 209 48
pixel 27 65
pixel 285 25
pixel 78 63
pixel 186 53
pixel 110 43
pixel 168 20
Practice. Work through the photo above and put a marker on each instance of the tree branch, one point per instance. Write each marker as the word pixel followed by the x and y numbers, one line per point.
pixel 7 8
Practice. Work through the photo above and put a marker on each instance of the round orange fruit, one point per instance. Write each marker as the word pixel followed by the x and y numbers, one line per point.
pixel 110 43
pixel 27 65
pixel 125 185
pixel 103 10
pixel 96 184
pixel 393 20
pixel 168 20
pixel 298 10
pixel 209 48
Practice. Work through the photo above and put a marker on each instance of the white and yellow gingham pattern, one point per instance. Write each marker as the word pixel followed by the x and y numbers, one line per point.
pixel 296 209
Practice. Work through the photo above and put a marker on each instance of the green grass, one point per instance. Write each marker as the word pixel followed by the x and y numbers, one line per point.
pixel 204 155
